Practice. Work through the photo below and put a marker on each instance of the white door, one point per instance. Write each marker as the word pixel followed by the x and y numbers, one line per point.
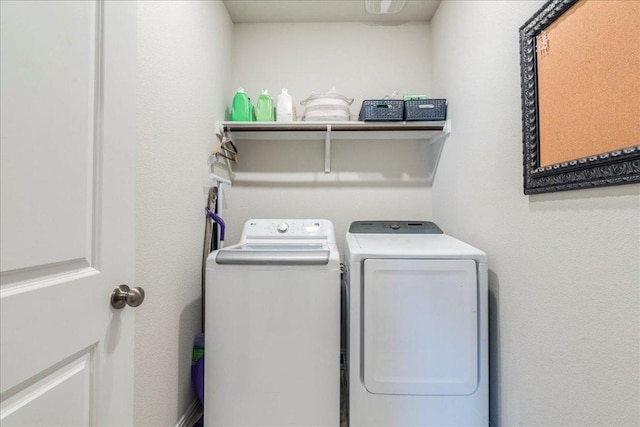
pixel 67 211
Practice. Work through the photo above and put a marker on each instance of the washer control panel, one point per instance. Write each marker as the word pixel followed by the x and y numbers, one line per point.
pixel 288 228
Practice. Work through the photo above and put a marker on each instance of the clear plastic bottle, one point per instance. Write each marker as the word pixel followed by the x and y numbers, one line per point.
pixel 264 108
pixel 284 109
pixel 241 108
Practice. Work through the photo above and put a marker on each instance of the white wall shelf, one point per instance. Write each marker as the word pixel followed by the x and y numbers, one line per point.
pixel 433 133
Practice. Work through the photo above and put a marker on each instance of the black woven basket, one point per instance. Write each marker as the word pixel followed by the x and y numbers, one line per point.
pixel 382 110
pixel 425 109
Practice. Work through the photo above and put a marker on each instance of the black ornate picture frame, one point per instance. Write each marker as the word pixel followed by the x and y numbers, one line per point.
pixel 609 168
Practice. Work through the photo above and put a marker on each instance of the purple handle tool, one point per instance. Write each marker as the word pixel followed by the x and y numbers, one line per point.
pixel 218 220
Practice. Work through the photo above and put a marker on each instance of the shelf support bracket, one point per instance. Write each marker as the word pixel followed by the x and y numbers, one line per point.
pixel 327 150
pixel 434 149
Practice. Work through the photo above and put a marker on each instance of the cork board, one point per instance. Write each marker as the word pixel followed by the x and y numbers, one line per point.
pixel 589 81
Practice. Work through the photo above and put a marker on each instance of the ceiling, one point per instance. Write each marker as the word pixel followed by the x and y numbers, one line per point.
pixel 253 11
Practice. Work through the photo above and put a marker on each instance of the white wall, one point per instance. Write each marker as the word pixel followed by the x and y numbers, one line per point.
pixel 370 179
pixel 183 72
pixel 565 267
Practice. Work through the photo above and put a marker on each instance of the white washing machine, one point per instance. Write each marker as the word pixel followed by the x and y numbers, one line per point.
pixel 272 350
pixel 418 344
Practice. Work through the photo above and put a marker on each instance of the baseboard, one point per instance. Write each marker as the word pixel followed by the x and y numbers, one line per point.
pixel 193 414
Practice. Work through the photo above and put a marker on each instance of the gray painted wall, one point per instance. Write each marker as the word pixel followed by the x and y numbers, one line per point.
pixel 370 179
pixel 564 267
pixel 183 51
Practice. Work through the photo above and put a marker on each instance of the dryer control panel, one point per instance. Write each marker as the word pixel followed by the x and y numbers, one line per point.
pixel 394 227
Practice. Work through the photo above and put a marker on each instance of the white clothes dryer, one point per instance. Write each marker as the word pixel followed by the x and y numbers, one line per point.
pixel 418 340
pixel 272 337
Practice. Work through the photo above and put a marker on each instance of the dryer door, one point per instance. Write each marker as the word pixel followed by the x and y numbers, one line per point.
pixel 420 321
